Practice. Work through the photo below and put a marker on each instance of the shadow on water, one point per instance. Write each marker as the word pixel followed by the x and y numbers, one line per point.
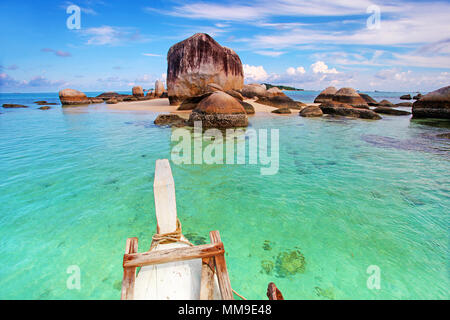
pixel 437 123
pixel 420 144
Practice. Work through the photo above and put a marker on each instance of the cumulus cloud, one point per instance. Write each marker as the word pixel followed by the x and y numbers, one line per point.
pixel 293 71
pixel 255 73
pixel 321 67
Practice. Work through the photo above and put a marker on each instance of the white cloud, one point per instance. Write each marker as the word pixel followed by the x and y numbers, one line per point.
pixel 255 73
pixel 270 53
pixel 151 55
pixel 110 35
pixel 293 71
pixel 321 67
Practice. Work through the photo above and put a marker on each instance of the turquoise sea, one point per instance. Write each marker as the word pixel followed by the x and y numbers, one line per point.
pixel 349 194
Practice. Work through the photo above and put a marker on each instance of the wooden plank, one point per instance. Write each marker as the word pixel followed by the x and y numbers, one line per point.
pixel 172 255
pixel 129 273
pixel 165 202
pixel 221 269
pixel 273 293
pixel 207 279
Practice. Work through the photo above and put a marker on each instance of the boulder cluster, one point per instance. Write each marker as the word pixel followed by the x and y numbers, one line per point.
pixel 71 97
pixel 435 104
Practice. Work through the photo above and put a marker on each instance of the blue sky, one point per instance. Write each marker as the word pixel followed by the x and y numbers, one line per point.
pixel 308 44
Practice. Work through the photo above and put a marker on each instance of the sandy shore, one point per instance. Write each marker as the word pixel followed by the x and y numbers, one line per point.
pixel 162 105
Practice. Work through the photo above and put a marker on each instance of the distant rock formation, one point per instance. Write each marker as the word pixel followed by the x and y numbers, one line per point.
pixel 44 108
pixel 404 104
pixel 219 110
pixel 349 96
pixel 406 97
pixel 11 106
pixel 326 95
pixel 159 89
pixel 198 61
pixel 73 97
pixel 108 95
pixel 138 91
pixel 418 96
pixel 311 111
pixel 348 111
pixel 435 104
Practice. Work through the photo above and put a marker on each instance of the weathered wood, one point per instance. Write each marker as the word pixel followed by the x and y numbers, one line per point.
pixel 172 255
pixel 273 293
pixel 165 202
pixel 221 269
pixel 129 273
pixel 207 279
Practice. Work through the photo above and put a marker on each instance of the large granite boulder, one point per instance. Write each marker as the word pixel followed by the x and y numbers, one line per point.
pixel 73 97
pixel 348 111
pixel 159 89
pixel 404 104
pixel 192 102
pixel 198 61
pixel 391 111
pixel 138 91
pixel 219 110
pixel 249 109
pixel 311 111
pixel 435 104
pixel 281 102
pixel 254 91
pixel 273 92
pixel 326 95
pixel 368 99
pixel 349 96
pixel 386 103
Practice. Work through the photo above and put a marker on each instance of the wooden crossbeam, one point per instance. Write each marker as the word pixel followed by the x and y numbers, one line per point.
pixel 221 269
pixel 129 273
pixel 172 255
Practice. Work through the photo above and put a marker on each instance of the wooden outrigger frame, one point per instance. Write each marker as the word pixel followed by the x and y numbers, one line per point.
pixel 212 255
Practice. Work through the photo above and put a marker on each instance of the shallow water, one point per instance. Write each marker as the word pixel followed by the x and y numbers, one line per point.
pixel 75 183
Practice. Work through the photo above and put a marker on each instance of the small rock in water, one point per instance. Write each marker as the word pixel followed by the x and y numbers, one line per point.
pixel 406 97
pixel 311 111
pixel 290 263
pixel 170 120
pixel 282 111
pixel 10 106
pixel 390 111
pixel 44 108
pixel 267 266
pixel 444 135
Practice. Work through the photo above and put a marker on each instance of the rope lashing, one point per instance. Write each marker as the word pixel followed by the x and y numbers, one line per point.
pixel 170 237
pixel 173 237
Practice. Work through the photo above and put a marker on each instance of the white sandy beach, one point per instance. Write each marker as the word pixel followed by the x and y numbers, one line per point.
pixel 162 105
